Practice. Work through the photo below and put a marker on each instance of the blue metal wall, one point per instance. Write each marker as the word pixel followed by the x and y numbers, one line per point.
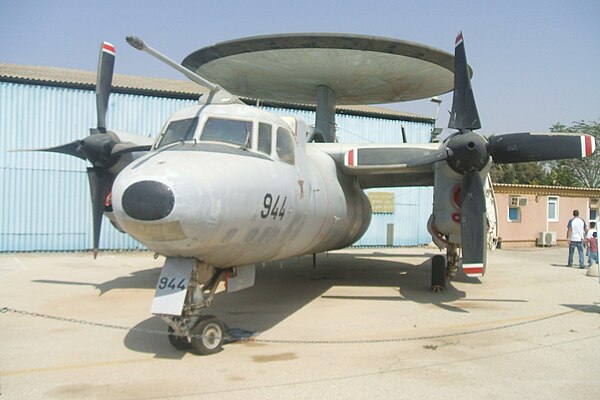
pixel 45 201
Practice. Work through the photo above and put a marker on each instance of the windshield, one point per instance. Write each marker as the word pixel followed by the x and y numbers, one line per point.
pixel 228 131
pixel 179 130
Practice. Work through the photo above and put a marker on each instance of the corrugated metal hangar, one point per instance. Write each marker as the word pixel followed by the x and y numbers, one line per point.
pixel 45 202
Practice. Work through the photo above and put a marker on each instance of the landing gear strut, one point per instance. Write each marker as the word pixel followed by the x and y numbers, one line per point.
pixel 452 260
pixel 192 331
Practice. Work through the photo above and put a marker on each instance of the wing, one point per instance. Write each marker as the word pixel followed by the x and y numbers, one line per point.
pixel 383 165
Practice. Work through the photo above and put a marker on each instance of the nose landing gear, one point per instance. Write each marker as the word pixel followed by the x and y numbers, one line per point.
pixel 185 288
pixel 203 334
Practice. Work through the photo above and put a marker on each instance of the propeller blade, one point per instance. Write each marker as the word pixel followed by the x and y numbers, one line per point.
pixel 443 153
pixel 71 149
pixel 524 147
pixel 106 64
pixel 100 184
pixel 473 224
pixel 123 148
pixel 464 113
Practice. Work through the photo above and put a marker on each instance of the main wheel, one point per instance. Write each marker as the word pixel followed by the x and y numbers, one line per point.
pixel 438 273
pixel 179 342
pixel 207 335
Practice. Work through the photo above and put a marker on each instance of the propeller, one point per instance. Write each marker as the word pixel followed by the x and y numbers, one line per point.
pixel 98 146
pixel 468 153
pixel 102 148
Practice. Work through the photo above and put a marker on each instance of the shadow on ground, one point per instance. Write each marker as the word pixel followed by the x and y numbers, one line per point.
pixel 283 288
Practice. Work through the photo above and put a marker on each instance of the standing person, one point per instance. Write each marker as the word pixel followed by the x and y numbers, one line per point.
pixel 593 248
pixel 588 236
pixel 576 231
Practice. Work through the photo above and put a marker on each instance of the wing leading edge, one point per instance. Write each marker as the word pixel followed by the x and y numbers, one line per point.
pixel 382 165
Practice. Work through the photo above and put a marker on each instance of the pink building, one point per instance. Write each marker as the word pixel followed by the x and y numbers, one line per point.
pixel 538 215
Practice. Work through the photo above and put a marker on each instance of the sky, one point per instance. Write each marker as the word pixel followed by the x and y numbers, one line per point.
pixel 535 62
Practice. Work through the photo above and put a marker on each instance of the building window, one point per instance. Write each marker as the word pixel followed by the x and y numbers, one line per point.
pixel 553 208
pixel 593 214
pixel 514 214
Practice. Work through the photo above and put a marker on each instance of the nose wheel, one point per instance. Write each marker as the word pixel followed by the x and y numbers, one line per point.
pixel 207 335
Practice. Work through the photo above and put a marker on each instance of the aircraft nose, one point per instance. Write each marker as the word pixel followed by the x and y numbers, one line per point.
pixel 148 200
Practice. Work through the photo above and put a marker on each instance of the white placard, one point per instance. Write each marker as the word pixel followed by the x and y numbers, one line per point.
pixel 172 286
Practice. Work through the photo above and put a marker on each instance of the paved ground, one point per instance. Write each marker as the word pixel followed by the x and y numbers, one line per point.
pixel 529 329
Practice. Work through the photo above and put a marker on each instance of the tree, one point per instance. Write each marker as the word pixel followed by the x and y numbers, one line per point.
pixel 583 172
pixel 529 173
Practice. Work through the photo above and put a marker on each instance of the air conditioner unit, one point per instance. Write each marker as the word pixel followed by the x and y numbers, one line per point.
pixel 518 201
pixel 547 238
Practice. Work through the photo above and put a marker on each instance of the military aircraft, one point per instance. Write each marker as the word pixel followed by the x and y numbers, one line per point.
pixel 226 185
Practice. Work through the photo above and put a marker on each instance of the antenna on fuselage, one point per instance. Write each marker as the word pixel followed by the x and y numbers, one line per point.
pixel 139 44
pixel 325 115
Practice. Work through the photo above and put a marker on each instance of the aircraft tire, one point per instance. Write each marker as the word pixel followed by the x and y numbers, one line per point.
pixel 207 335
pixel 179 342
pixel 438 273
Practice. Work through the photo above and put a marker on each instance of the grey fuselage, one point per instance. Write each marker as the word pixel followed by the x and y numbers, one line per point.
pixel 229 199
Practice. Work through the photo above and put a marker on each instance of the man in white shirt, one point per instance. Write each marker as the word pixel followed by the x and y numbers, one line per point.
pixel 576 233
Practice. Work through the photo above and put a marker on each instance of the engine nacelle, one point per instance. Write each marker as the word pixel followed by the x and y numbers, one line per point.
pixel 445 222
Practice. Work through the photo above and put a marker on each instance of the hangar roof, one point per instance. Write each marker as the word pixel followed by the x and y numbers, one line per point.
pixel 79 79
pixel 516 189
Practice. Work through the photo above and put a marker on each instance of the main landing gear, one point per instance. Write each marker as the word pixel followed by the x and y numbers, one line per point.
pixel 203 334
pixel 444 268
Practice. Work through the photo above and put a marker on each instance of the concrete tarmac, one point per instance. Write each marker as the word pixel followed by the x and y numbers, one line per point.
pixel 362 325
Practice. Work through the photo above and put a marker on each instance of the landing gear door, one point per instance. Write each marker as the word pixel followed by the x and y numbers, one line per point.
pixel 172 286
pixel 239 278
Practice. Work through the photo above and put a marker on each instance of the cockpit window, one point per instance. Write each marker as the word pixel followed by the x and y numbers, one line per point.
pixel 264 138
pixel 228 131
pixel 285 146
pixel 179 130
